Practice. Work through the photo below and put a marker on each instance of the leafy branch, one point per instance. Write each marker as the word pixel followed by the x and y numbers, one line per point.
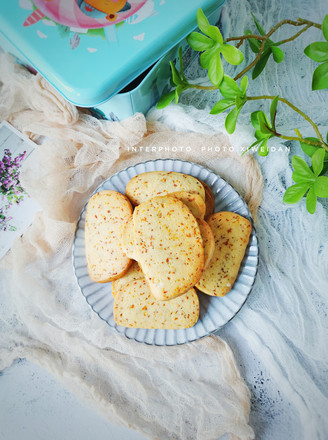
pixel 214 51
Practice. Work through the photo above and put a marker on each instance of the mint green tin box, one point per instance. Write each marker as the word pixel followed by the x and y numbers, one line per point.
pixel 111 56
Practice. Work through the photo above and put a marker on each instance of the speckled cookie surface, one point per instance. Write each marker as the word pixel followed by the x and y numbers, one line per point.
pixel 134 306
pixel 128 239
pixel 156 183
pixel 193 201
pixel 107 212
pixel 231 234
pixel 169 246
pixel 208 241
pixel 209 199
pixel 134 273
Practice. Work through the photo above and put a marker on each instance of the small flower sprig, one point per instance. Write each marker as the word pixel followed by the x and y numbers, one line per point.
pixel 212 47
pixel 11 191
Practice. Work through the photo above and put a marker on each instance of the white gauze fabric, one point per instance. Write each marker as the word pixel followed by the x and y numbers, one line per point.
pixel 186 392
pixel 280 335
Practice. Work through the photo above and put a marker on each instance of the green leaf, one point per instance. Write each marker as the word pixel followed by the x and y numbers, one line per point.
pixel 251 146
pixel 199 42
pixel 202 21
pixel 302 169
pixel 222 105
pixel 321 186
pixel 273 110
pixel 317 51
pixel 320 77
pixel 298 178
pixel 215 34
pixel 231 120
pixel 166 99
pixel 255 119
pixel 294 193
pixel 260 123
pixel 178 91
pixel 264 124
pixel 263 148
pixel 317 161
pixel 206 56
pixel 176 95
pixel 278 54
pixel 309 149
pixel 175 74
pixel 325 167
pixel 259 66
pixel 229 88
pixel 311 201
pixel 257 24
pixel 232 55
pixel 215 71
pixel 253 43
pixel 181 64
pixel 244 84
pixel 325 27
pixel 240 101
pixel 207 29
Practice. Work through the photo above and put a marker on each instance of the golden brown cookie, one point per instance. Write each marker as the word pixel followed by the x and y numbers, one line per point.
pixel 135 306
pixel 134 273
pixel 169 246
pixel 194 202
pixel 156 183
pixel 209 199
pixel 128 239
pixel 208 241
pixel 107 212
pixel 231 234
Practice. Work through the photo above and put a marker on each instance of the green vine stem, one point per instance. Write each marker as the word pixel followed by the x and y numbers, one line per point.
pixel 264 38
pixel 303 21
pixel 297 110
pixel 199 87
pixel 287 40
pixel 285 101
pixel 300 22
pixel 245 37
pixel 310 181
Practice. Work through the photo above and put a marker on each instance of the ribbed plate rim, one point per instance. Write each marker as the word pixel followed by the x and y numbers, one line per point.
pixel 123 331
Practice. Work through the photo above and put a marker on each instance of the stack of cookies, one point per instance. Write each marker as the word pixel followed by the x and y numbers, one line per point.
pixel 160 242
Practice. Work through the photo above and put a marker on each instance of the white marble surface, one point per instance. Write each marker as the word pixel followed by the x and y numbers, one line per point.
pixel 33 406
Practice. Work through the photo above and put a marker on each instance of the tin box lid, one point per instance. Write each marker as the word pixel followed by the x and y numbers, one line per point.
pixel 91 49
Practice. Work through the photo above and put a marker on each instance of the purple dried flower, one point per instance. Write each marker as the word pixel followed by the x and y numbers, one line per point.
pixel 10 188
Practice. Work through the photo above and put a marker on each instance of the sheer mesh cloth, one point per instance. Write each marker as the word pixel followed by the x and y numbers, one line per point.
pixel 184 392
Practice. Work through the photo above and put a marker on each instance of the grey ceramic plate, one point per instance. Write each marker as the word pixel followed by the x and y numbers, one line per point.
pixel 214 312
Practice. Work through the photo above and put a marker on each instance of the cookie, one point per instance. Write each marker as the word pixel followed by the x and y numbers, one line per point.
pixel 231 234
pixel 128 239
pixel 107 212
pixel 194 202
pixel 169 246
pixel 156 183
pixel 135 306
pixel 208 241
pixel 209 199
pixel 134 273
